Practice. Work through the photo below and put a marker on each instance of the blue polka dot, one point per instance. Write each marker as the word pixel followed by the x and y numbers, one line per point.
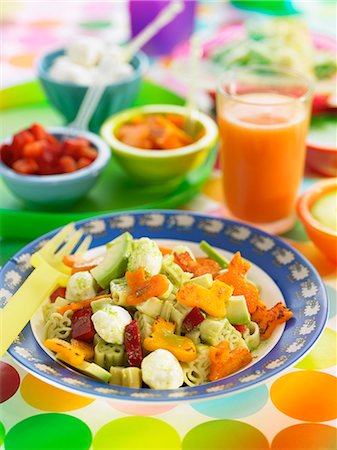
pixel 332 297
pixel 235 406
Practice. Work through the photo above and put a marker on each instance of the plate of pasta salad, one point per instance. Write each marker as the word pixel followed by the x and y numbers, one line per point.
pixel 169 306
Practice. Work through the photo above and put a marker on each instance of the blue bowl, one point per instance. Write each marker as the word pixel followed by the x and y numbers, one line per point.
pixel 275 267
pixel 67 97
pixel 52 191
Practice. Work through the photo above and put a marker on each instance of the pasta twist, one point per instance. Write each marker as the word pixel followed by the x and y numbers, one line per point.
pixel 58 325
pixel 214 331
pixel 197 371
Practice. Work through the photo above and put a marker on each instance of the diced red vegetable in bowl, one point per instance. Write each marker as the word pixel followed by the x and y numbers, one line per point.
pixel 52 166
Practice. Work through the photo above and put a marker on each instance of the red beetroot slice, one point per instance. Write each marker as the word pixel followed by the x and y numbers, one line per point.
pixel 192 320
pixel 59 292
pixel 82 327
pixel 133 344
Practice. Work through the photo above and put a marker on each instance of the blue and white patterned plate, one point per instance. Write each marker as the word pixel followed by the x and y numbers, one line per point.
pixel 288 271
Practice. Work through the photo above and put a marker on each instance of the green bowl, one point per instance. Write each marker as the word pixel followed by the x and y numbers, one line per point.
pixel 148 167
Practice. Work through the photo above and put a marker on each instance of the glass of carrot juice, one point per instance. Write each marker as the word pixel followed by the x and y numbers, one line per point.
pixel 263 115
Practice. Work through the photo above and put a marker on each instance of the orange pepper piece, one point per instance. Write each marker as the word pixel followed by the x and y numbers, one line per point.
pixel 224 361
pixel 163 336
pixel 80 305
pixel 166 251
pixel 213 300
pixel 198 267
pixel 235 276
pixel 142 289
pixel 268 319
pixel 72 354
pixel 84 347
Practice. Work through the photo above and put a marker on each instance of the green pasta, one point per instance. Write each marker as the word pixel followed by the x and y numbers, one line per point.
pixel 50 308
pixel 119 291
pixel 196 372
pixel 107 355
pixel 58 325
pixel 174 272
pixel 130 377
pixel 145 323
pixel 151 307
pixel 213 331
pixel 252 336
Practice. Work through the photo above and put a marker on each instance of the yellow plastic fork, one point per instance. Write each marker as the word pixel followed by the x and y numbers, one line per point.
pixel 49 273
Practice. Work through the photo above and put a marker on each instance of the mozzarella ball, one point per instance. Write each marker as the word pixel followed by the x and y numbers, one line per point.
pixel 81 286
pixel 110 322
pixel 161 370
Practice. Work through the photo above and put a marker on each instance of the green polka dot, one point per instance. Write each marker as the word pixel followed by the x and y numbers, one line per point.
pixel 225 435
pixel 49 432
pixel 95 24
pixel 323 355
pixel 137 433
pixel 2 433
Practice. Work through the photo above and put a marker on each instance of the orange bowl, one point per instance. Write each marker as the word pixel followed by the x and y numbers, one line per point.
pixel 323 237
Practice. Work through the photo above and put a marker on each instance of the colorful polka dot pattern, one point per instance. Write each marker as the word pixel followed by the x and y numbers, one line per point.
pixel 9 381
pixel 225 435
pixel 43 396
pixel 138 433
pixel 306 395
pixel 306 436
pixel 49 431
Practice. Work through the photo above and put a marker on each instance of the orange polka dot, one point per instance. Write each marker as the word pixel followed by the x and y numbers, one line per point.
pixel 25 60
pixel 43 396
pixel 45 23
pixel 315 256
pixel 213 189
pixel 306 395
pixel 306 436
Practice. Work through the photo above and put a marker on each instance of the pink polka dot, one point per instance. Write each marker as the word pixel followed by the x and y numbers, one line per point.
pixel 38 39
pixel 9 381
pixel 141 410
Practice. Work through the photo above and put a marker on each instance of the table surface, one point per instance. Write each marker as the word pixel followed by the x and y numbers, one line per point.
pixel 296 410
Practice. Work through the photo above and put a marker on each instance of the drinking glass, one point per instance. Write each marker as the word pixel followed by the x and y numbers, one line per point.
pixel 263 115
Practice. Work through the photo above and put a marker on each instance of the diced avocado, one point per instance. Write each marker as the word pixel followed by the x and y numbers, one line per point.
pixel 237 311
pixel 99 304
pixel 115 261
pixel 213 254
pixel 205 280
pixel 90 369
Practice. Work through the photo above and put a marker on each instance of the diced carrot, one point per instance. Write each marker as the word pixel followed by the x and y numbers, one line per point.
pixel 235 276
pixel 142 289
pixel 213 300
pixel 72 354
pixel 224 362
pixel 80 305
pixel 163 336
pixel 166 251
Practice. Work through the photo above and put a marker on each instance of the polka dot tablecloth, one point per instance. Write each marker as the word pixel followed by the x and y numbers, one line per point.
pixel 295 411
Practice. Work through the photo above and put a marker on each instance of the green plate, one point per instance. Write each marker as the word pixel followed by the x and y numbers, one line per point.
pixel 25 104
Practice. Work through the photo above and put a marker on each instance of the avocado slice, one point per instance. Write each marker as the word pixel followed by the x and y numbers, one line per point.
pixel 205 280
pixel 213 254
pixel 236 310
pixel 115 261
pixel 91 369
pixel 99 304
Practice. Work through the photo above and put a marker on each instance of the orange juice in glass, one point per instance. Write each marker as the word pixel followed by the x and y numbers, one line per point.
pixel 263 115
